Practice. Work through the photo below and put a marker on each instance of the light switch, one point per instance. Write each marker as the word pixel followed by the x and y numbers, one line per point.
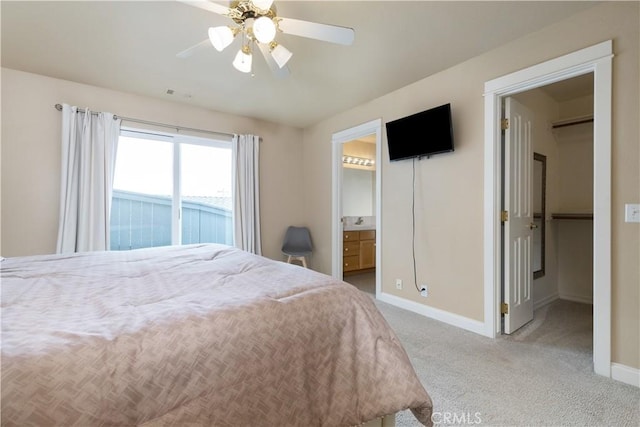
pixel 632 212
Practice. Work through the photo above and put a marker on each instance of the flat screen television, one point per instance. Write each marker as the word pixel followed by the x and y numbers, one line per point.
pixel 421 135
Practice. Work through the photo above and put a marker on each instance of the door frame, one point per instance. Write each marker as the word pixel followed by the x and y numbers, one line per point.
pixel 596 59
pixel 337 140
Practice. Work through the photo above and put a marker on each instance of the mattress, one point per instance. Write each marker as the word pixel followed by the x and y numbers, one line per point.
pixel 197 334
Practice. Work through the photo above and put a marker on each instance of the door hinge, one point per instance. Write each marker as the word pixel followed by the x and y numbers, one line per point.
pixel 504 124
pixel 504 308
pixel 504 216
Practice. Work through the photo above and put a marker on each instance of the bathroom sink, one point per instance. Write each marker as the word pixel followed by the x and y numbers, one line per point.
pixel 356 227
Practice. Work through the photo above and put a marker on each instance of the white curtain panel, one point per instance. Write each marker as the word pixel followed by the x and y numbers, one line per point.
pixel 246 193
pixel 89 144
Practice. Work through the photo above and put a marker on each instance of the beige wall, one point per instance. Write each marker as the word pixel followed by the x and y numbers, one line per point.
pixel 449 193
pixel 31 156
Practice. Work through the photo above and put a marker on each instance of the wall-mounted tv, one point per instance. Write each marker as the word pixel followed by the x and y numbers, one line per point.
pixel 421 135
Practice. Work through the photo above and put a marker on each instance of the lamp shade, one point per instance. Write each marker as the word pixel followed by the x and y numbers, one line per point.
pixel 243 60
pixel 281 55
pixel 220 37
pixel 262 4
pixel 264 29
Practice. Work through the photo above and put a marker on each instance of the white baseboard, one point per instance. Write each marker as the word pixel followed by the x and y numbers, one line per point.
pixel 544 301
pixel 577 298
pixel 435 313
pixel 625 374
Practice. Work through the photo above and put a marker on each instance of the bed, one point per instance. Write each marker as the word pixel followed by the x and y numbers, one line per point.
pixel 194 335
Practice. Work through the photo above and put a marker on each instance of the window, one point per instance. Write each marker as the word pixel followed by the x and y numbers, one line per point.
pixel 170 189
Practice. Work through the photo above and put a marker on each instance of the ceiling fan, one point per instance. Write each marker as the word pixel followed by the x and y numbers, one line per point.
pixel 257 23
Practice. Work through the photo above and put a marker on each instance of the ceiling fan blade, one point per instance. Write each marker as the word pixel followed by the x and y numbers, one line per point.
pixel 313 30
pixel 190 51
pixel 283 72
pixel 207 5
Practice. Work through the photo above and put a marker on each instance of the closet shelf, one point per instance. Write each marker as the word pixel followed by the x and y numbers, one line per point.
pixel 572 215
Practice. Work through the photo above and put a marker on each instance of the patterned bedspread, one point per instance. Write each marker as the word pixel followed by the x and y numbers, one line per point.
pixel 194 335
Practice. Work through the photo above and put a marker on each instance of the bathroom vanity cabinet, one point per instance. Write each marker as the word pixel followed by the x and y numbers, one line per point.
pixel 358 250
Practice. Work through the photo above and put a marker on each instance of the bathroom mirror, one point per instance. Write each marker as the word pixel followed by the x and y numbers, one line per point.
pixel 358 192
pixel 539 213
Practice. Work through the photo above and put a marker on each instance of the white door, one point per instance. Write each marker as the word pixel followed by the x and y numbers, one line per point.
pixel 518 226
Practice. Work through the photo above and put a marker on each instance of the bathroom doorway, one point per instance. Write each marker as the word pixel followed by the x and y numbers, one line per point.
pixel 356 209
pixel 358 213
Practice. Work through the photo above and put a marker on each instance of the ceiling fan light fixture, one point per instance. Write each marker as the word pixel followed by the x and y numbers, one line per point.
pixel 221 37
pixel 257 21
pixel 243 59
pixel 280 54
pixel 262 4
pixel 264 29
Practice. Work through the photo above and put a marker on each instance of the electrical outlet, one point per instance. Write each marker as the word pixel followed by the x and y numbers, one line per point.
pixel 424 291
pixel 398 283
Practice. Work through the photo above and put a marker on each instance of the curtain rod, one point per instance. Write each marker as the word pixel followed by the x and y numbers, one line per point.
pixel 146 122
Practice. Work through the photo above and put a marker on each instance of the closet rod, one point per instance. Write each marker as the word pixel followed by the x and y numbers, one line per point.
pixel 146 122
pixel 573 122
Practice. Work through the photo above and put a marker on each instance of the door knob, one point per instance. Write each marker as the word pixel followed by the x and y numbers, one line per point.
pixel 532 226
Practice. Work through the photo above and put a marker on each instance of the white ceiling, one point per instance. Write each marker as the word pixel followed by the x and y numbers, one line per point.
pixel 131 46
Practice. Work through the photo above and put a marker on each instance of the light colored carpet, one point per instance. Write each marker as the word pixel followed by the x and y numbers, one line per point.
pixel 540 376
